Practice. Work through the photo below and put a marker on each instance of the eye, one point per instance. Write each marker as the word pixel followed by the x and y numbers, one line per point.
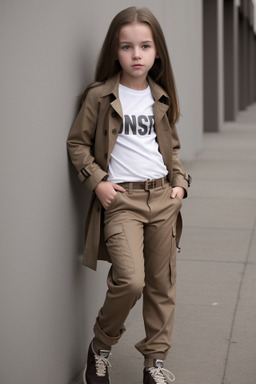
pixel 125 47
pixel 145 46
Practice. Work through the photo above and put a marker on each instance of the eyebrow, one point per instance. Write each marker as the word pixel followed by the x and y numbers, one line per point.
pixel 142 42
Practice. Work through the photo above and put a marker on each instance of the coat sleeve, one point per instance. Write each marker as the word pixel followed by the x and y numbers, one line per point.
pixel 179 177
pixel 80 142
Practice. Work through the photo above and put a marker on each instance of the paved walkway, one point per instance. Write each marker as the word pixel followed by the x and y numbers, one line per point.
pixel 214 340
pixel 215 334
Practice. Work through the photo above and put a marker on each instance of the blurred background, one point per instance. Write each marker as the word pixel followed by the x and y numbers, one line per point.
pixel 49 50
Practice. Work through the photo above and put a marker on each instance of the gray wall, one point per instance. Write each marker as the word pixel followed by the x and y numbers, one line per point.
pixel 213 65
pixel 229 46
pixel 48 53
pixel 230 60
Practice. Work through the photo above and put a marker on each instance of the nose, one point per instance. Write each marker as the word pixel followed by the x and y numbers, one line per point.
pixel 136 54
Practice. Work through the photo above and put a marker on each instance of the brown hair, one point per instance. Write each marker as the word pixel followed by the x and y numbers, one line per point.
pixel 161 72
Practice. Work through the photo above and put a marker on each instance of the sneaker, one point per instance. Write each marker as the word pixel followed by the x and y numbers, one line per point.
pixel 157 374
pixel 96 371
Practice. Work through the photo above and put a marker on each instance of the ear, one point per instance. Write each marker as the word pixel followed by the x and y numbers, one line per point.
pixel 157 56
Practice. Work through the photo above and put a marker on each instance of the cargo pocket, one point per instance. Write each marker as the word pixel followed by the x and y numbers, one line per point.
pixel 119 250
pixel 173 257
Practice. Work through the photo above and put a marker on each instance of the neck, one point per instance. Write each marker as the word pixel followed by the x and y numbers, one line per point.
pixel 136 84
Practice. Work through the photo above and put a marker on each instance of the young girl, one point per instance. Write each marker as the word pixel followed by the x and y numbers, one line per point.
pixel 124 145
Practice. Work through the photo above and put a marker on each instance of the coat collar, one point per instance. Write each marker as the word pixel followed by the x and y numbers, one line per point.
pixel 158 93
pixel 111 87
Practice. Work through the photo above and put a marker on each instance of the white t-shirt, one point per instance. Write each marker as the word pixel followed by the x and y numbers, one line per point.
pixel 136 155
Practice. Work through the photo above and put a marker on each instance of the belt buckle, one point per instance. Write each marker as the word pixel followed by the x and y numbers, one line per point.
pixel 150 184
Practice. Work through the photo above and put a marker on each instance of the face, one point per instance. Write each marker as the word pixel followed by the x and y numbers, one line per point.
pixel 136 53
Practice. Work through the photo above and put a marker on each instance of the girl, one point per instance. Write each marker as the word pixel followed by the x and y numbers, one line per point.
pixel 124 145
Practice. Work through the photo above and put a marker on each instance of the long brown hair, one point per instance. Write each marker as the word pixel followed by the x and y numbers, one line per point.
pixel 161 72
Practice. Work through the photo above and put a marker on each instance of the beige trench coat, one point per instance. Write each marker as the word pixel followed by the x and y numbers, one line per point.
pixel 91 141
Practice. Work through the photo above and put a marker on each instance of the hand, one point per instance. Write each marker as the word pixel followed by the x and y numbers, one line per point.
pixel 179 192
pixel 106 192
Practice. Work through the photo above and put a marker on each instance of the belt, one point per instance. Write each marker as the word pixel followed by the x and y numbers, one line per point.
pixel 146 185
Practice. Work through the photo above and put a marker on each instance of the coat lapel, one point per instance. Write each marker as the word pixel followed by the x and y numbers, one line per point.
pixel 160 110
pixel 116 105
pixel 114 123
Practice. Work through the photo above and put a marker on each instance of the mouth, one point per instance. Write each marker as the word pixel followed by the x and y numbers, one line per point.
pixel 137 66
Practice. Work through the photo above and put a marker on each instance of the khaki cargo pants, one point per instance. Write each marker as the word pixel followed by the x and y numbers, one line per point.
pixel 140 235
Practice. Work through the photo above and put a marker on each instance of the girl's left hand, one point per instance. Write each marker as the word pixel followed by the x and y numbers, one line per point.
pixel 177 191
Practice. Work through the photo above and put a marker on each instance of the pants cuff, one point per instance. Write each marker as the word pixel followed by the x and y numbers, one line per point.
pixel 103 338
pixel 149 355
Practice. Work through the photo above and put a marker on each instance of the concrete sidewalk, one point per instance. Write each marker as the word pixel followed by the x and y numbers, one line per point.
pixel 214 340
pixel 215 333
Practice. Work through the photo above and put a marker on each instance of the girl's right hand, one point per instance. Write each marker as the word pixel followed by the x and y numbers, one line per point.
pixel 106 192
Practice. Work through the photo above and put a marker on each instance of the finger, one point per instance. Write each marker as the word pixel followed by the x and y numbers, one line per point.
pixel 119 188
pixel 173 194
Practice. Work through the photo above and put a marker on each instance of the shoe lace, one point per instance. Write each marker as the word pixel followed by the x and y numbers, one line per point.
pixel 101 364
pixel 161 375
